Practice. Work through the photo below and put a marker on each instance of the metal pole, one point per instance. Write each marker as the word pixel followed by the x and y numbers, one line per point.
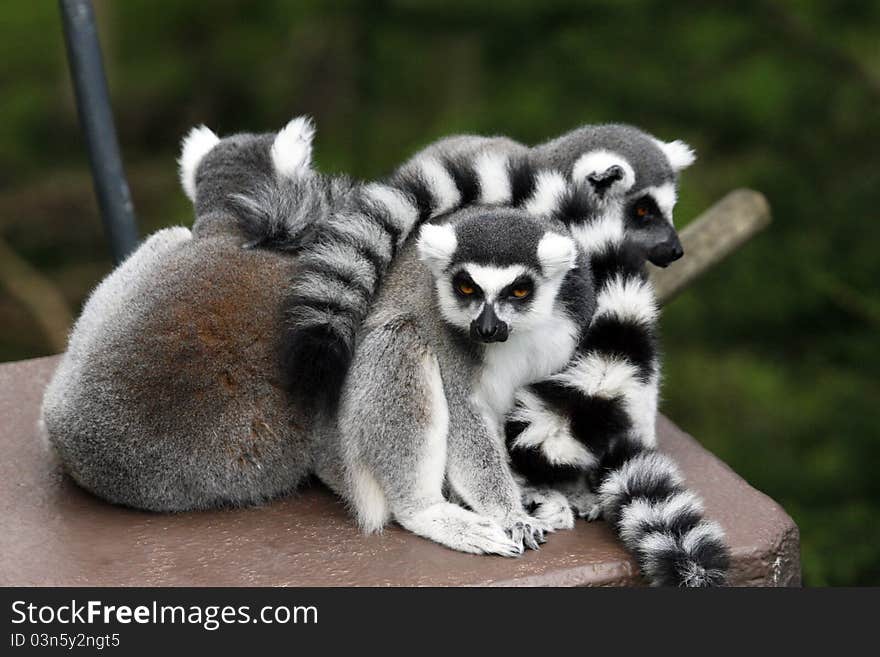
pixel 96 120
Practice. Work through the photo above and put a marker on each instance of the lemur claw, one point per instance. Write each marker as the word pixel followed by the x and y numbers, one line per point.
pixel 527 534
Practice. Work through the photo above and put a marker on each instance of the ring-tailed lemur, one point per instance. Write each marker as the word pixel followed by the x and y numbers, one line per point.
pixel 169 396
pixel 586 410
pixel 648 169
pixel 467 315
pixel 261 187
pixel 593 422
pixel 591 426
pixel 604 389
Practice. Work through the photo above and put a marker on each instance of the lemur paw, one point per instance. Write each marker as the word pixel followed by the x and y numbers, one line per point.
pixel 586 505
pixel 462 530
pixel 591 514
pixel 526 532
pixel 485 538
pixel 549 506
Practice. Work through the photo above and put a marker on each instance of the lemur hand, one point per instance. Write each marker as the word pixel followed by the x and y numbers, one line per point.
pixel 526 531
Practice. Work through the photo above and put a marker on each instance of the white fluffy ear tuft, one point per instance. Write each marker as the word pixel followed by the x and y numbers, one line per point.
pixel 197 143
pixel 292 148
pixel 679 154
pixel 436 246
pixel 557 254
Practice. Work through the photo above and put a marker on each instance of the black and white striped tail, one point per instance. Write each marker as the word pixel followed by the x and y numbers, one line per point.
pixel 341 268
pixel 641 492
pixel 561 426
pixel 337 277
pixel 597 417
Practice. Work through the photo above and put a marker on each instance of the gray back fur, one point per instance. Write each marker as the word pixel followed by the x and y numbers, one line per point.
pixel 169 395
pixel 239 192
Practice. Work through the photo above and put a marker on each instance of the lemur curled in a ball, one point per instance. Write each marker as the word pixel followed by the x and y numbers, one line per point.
pixel 170 395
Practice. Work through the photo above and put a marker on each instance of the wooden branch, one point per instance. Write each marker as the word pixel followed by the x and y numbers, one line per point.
pixel 711 237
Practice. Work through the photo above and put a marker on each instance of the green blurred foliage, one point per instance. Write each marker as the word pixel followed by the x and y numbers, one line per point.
pixel 771 359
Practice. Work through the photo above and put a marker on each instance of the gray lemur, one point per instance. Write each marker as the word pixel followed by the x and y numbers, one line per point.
pixel 466 316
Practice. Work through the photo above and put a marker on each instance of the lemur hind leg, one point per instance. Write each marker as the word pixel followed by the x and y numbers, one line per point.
pixel 393 427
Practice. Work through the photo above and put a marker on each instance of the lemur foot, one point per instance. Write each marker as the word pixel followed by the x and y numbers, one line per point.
pixel 586 505
pixel 526 532
pixel 461 530
pixel 549 506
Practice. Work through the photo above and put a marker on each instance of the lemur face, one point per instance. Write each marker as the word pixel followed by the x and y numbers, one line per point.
pixel 496 275
pixel 642 173
pixel 648 221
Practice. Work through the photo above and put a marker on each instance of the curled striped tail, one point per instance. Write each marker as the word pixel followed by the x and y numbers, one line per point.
pixel 641 493
pixel 597 416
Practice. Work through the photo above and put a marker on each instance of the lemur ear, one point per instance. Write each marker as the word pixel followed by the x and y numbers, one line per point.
pixel 604 169
pixel 197 143
pixel 679 154
pixel 292 148
pixel 436 246
pixel 557 254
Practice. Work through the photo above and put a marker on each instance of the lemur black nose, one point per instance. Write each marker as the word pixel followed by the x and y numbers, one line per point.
pixel 488 328
pixel 666 253
pixel 487 332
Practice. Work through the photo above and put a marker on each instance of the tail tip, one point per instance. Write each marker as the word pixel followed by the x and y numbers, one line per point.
pixel 695 575
pixel 316 360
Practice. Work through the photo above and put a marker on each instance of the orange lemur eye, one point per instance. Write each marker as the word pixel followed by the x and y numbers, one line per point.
pixel 642 211
pixel 465 289
pixel 521 292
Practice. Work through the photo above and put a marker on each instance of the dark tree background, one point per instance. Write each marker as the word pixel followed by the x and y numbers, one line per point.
pixel 771 360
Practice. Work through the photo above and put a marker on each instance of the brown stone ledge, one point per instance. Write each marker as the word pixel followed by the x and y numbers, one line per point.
pixel 56 534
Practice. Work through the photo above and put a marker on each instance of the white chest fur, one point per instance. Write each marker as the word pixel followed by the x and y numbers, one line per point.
pixel 524 358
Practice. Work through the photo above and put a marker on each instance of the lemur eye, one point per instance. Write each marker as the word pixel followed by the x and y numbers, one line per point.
pixel 465 289
pixel 521 292
pixel 642 211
